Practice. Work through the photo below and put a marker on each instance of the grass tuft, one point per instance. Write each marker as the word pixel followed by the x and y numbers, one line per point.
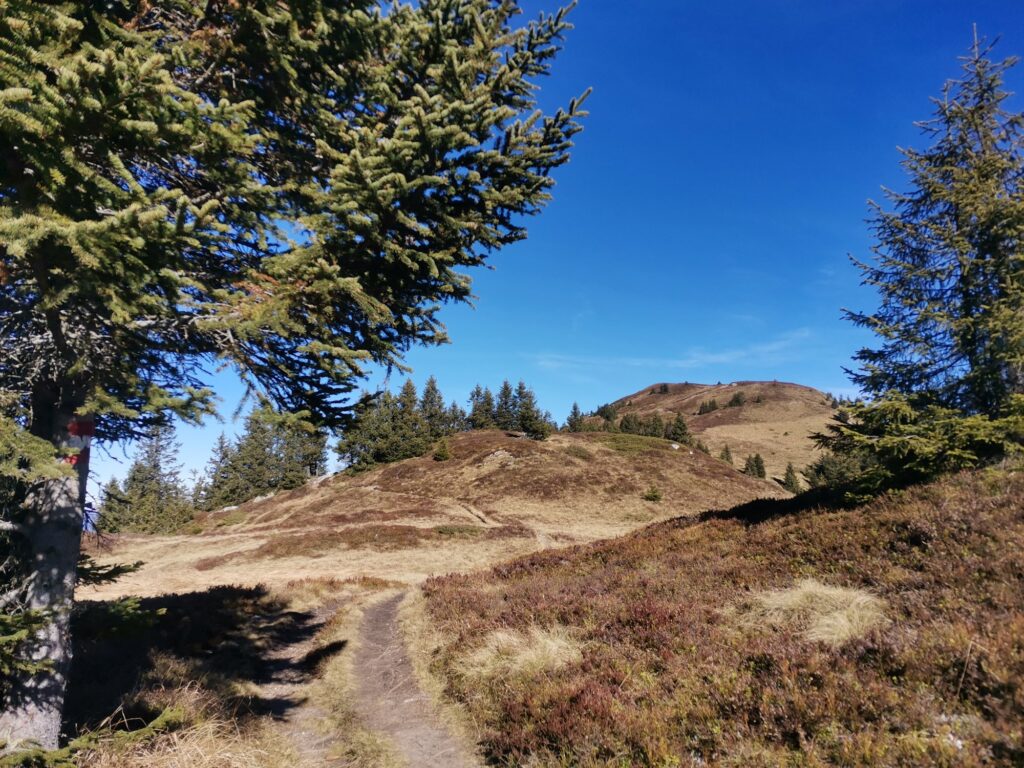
pixel 821 613
pixel 508 654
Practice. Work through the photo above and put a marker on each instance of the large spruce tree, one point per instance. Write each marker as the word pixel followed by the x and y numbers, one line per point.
pixel 291 187
pixel 946 380
pixel 949 263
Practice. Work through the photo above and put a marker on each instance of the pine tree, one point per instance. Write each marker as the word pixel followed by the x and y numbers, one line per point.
pixel 506 414
pixel 631 424
pixel 726 454
pixel 791 482
pixel 152 498
pixel 531 420
pixel 707 406
pixel 481 409
pixel 754 466
pixel 456 419
pixel 575 422
pixel 951 319
pixel 678 431
pixel 947 378
pixel 433 411
pixel 157 158
pixel 653 426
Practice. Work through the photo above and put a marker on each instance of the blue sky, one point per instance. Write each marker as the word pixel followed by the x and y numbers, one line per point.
pixel 702 229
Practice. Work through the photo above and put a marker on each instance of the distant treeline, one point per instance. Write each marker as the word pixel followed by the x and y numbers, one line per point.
pixel 395 427
pixel 273 453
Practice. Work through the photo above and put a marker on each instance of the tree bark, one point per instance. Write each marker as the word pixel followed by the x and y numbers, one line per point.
pixel 53 524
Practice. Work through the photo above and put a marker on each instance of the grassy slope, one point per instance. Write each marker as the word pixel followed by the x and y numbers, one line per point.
pixel 778 427
pixel 669 676
pixel 497 497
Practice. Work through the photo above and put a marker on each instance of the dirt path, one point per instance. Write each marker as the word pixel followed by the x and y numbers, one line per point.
pixel 288 671
pixel 389 699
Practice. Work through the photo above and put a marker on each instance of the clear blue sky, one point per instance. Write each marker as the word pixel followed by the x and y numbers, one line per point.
pixel 702 230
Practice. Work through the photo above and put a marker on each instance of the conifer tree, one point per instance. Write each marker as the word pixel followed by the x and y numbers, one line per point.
pixel 506 414
pixel 482 409
pixel 456 419
pixel 951 320
pixel 678 431
pixel 631 424
pixel 152 498
pixel 157 158
pixel 726 454
pixel 575 421
pixel 653 426
pixel 433 411
pixel 791 482
pixel 531 420
pixel 947 377
pixel 754 466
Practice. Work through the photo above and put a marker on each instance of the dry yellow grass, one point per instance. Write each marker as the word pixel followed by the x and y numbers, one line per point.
pixel 821 613
pixel 507 654
pixel 497 497
pixel 776 420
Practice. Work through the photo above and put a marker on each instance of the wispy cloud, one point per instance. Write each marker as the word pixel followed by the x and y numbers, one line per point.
pixel 784 348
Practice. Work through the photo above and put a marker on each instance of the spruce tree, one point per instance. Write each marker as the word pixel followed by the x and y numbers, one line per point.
pixel 152 498
pixel 575 422
pixel 531 420
pixel 726 454
pixel 481 409
pixel 157 159
pixel 947 268
pixel 631 424
pixel 946 380
pixel 754 466
pixel 506 414
pixel 433 411
pixel 791 482
pixel 678 431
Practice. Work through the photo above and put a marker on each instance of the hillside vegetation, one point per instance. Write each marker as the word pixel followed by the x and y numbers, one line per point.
pixel 495 497
pixel 775 633
pixel 772 418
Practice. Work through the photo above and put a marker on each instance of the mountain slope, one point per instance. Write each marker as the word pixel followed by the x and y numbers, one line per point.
pixel 777 633
pixel 776 418
pixel 497 497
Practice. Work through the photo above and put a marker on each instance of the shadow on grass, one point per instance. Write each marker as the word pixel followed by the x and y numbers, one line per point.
pixel 222 637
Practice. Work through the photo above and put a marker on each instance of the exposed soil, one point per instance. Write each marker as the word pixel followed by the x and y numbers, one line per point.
pixel 391 701
pixel 287 673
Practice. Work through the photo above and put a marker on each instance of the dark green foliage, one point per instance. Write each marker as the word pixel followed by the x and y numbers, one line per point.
pixel 274 453
pixel 754 466
pixel 481 409
pixel 505 414
pixel 737 400
pixel 575 422
pixel 433 410
pixel 152 498
pixel 631 424
pixel 726 454
pixel 653 493
pixel 707 406
pixel 791 482
pixel 701 446
pixel 947 380
pixel 443 450
pixel 948 257
pixel 607 412
pixel 678 431
pixel 663 389
pixel 535 424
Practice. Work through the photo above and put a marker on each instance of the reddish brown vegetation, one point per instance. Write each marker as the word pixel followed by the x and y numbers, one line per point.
pixel 668 677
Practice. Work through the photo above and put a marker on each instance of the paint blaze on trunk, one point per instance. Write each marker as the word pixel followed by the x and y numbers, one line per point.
pixel 54 522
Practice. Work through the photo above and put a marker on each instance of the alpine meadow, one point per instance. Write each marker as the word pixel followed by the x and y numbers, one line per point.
pixel 334 434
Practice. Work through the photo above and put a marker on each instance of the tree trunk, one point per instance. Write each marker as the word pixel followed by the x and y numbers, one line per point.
pixel 54 521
